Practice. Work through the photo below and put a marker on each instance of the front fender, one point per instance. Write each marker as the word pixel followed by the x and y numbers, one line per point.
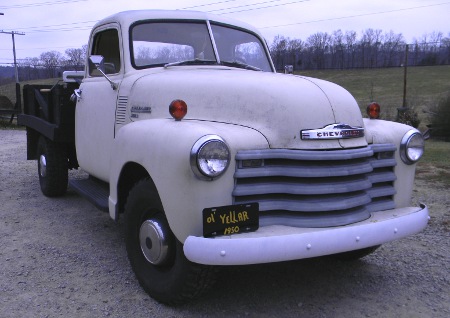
pixel 381 131
pixel 162 147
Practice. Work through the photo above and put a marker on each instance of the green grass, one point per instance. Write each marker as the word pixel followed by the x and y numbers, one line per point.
pixel 9 90
pixel 425 86
pixel 434 166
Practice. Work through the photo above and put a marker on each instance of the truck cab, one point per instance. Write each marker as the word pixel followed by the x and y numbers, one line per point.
pixel 186 130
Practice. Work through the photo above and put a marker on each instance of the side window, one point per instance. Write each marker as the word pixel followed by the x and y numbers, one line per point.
pixel 106 43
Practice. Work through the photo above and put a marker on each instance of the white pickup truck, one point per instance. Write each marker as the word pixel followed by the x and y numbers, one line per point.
pixel 185 128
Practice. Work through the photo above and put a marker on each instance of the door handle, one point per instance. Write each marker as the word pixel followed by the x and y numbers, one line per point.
pixel 76 95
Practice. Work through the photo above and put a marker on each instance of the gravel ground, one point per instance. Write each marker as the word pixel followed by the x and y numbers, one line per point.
pixel 63 258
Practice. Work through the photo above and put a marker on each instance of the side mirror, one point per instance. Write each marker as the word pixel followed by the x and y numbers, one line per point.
pixel 98 61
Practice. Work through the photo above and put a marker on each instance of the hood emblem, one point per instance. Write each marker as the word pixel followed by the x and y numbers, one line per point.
pixel 333 131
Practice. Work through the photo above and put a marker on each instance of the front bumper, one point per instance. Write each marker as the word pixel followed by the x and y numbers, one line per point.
pixel 283 243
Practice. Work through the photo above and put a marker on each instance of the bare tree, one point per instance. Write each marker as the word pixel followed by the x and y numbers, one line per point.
pixel 278 50
pixel 50 61
pixel 337 49
pixel 76 58
pixel 351 47
pixel 319 45
pixel 295 50
pixel 29 68
pixel 393 48
pixel 370 46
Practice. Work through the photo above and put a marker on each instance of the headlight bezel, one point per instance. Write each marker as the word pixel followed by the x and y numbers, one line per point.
pixel 407 144
pixel 196 154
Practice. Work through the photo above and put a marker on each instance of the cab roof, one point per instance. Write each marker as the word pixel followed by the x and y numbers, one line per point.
pixel 126 18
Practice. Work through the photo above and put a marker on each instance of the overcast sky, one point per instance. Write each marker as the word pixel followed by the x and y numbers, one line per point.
pixel 60 24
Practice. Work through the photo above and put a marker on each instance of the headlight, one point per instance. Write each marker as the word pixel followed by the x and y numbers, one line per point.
pixel 411 147
pixel 210 157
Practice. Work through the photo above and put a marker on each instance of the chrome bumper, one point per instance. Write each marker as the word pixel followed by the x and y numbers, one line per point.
pixel 283 243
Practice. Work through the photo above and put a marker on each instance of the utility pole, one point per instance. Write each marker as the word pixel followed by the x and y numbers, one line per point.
pixel 18 106
pixel 402 112
pixel 14 50
pixel 405 74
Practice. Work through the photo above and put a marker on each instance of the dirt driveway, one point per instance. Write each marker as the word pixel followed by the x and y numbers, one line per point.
pixel 63 258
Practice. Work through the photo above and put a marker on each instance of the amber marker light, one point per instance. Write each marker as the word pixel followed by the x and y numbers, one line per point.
pixel 373 110
pixel 178 109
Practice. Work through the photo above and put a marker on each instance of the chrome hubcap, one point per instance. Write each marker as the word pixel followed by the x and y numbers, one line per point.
pixel 154 243
pixel 42 166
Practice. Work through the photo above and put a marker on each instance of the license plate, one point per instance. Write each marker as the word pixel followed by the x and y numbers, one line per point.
pixel 231 219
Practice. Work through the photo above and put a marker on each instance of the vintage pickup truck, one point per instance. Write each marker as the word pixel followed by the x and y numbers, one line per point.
pixel 185 128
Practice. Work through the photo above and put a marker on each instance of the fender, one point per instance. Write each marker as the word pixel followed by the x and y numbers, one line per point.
pixel 381 131
pixel 162 147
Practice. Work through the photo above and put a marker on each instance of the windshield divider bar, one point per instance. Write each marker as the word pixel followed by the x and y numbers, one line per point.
pixel 216 53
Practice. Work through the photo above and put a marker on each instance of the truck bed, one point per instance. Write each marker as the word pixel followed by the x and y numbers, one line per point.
pixel 49 111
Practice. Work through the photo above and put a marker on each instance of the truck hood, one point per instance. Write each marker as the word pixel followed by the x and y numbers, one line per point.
pixel 279 106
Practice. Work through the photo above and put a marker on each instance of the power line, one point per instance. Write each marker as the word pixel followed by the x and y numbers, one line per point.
pixel 208 4
pixel 255 4
pixel 37 29
pixel 354 16
pixel 56 25
pixel 61 30
pixel 38 48
pixel 39 4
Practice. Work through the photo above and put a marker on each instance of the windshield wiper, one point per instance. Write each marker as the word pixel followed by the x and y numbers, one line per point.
pixel 240 65
pixel 191 62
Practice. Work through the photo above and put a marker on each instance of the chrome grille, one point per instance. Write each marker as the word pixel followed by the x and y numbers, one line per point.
pixel 316 188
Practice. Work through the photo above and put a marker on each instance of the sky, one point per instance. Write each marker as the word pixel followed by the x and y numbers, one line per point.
pixel 56 25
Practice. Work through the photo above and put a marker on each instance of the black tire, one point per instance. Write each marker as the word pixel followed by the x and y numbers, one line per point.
pixel 52 167
pixel 357 254
pixel 165 274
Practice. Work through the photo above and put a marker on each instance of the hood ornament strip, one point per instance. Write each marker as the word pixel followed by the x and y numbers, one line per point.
pixel 333 131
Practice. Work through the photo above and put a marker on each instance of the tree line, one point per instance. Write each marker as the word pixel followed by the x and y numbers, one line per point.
pixel 48 65
pixel 336 50
pixel 345 50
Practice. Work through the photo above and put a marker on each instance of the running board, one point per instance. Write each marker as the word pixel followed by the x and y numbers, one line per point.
pixel 94 190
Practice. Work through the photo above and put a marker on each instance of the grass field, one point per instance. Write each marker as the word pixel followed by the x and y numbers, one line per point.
pixel 9 90
pixel 434 166
pixel 425 87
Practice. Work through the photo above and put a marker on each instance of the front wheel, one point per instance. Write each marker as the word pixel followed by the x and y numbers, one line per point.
pixel 155 254
pixel 52 167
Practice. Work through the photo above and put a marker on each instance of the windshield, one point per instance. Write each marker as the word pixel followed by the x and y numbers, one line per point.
pixel 187 43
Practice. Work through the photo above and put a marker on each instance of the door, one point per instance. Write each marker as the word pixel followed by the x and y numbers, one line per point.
pixel 95 111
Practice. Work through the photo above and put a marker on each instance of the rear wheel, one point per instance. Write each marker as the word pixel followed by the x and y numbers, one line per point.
pixel 155 254
pixel 52 167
